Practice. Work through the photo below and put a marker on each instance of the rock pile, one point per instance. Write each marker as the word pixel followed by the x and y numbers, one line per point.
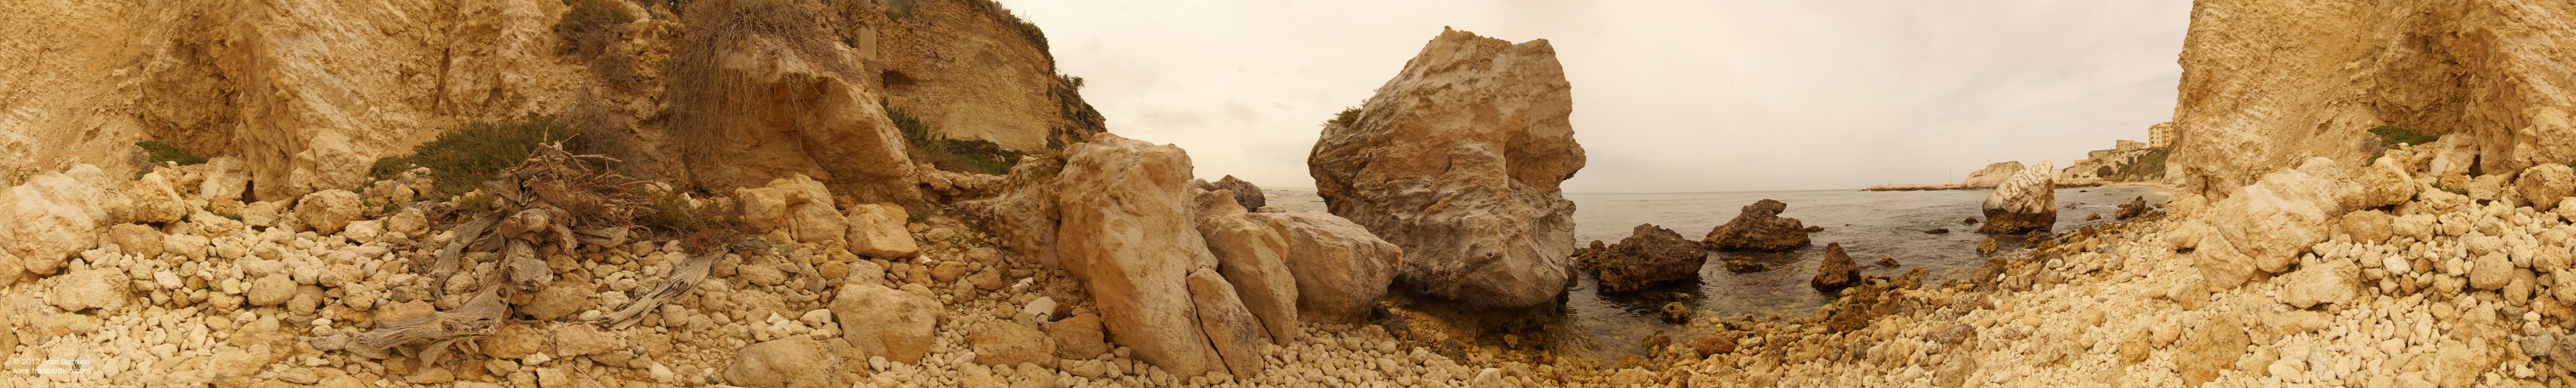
pixel 1480 127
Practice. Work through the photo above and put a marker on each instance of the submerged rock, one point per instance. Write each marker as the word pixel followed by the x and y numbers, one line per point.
pixel 1837 272
pixel 1649 257
pixel 1458 161
pixel 1676 313
pixel 1937 231
pixel 1745 266
pixel 1987 247
pixel 2024 203
pixel 1759 228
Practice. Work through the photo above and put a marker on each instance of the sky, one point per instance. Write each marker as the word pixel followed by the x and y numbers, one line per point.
pixel 1680 96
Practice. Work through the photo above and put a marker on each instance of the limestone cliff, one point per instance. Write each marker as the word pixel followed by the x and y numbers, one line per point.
pixel 2267 85
pixel 969 69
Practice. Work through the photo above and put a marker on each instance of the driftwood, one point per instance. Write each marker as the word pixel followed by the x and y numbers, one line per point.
pixel 683 278
pixel 551 200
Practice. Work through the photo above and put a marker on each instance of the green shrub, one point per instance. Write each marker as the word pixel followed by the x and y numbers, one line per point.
pixel 2459 191
pixel 164 152
pixel 2390 136
pixel 466 156
pixel 975 156
pixel 1347 116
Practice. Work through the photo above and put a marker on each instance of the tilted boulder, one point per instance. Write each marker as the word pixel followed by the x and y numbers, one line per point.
pixel 1252 254
pixel 1759 228
pixel 2384 182
pixel 52 217
pixel 1649 257
pixel 2026 202
pixel 1458 160
pixel 1232 330
pixel 1341 269
pixel 1126 233
pixel 2271 221
pixel 1837 272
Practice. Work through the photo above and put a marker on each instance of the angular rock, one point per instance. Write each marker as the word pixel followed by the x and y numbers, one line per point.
pixel 2272 221
pixel 1341 269
pixel 881 321
pixel 582 340
pixel 52 217
pixel 1649 257
pixel 1252 254
pixel 2220 263
pixel 1022 217
pixel 1126 233
pixel 2384 182
pixel 2491 271
pixel 792 362
pixel 876 230
pixel 1838 270
pixel 1458 160
pixel 2024 203
pixel 1078 338
pixel 1234 332
pixel 1245 193
pixel 270 290
pixel 2327 281
pixel 1745 266
pixel 2543 185
pixel 2133 209
pixel 226 178
pixel 1759 228
pixel 2369 226
pixel 818 223
pixel 193 247
pixel 327 211
pixel 2211 346
pixel 763 208
pixel 148 200
pixel 134 239
pixel 105 289
pixel 1011 344
pixel 512 342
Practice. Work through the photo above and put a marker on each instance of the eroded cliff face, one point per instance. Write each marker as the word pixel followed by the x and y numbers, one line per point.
pixel 2267 85
pixel 970 70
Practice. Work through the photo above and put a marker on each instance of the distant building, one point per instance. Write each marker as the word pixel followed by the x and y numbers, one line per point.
pixel 2160 135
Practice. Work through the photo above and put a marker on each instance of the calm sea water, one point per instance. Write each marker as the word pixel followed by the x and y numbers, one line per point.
pixel 1869 225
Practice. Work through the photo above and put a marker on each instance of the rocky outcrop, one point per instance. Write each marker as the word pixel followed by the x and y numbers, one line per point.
pixel 1458 159
pixel 1649 257
pixel 1837 272
pixel 2255 99
pixel 1126 233
pixel 1991 176
pixel 1759 228
pixel 2025 203
pixel 1252 254
pixel 971 70
pixel 1341 269
pixel 781 109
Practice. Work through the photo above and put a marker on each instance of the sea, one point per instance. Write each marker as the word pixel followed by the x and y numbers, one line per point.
pixel 1869 225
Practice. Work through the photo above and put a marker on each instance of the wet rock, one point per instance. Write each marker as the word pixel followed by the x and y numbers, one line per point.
pixel 1745 266
pixel 1011 344
pixel 881 321
pixel 1458 160
pixel 1887 261
pixel 1987 247
pixel 1650 256
pixel 1340 268
pixel 1676 313
pixel 2092 217
pixel 1969 221
pixel 1758 228
pixel 1078 337
pixel 1838 270
pixel 1126 233
pixel 1252 254
pixel 876 230
pixel 52 217
pixel 1937 231
pixel 1232 330
pixel 327 211
pixel 2025 202
pixel 792 362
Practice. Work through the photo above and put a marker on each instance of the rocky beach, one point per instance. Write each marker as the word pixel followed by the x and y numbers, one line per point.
pixel 776 193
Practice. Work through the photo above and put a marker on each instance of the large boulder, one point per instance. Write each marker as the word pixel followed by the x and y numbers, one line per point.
pixel 102 288
pixel 792 362
pixel 1993 175
pixel 2024 203
pixel 327 211
pixel 1649 257
pixel 2321 282
pixel 2544 184
pixel 1252 254
pixel 877 230
pixel 1232 330
pixel 1458 160
pixel 149 199
pixel 1759 228
pixel 1126 233
pixel 780 109
pixel 2273 220
pixel 1837 272
pixel 885 322
pixel 136 239
pixel 1021 216
pixel 1341 269
pixel 55 216
pixel 2384 182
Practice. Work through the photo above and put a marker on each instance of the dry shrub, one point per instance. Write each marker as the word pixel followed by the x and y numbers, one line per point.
pixel 697 90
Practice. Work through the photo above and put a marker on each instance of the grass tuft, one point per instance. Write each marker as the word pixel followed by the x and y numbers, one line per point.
pixel 164 152
pixel 1345 118
pixel 2390 136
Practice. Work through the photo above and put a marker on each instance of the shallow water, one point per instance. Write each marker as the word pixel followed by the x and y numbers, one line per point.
pixel 1869 225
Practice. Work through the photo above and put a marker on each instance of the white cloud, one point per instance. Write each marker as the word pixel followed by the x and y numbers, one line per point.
pixel 1669 96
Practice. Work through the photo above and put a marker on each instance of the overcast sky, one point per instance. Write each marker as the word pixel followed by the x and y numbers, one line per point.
pixel 1668 96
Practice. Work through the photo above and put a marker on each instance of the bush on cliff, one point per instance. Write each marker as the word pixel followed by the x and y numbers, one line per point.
pixel 160 152
pixel 2390 136
pixel 975 156
pixel 468 155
